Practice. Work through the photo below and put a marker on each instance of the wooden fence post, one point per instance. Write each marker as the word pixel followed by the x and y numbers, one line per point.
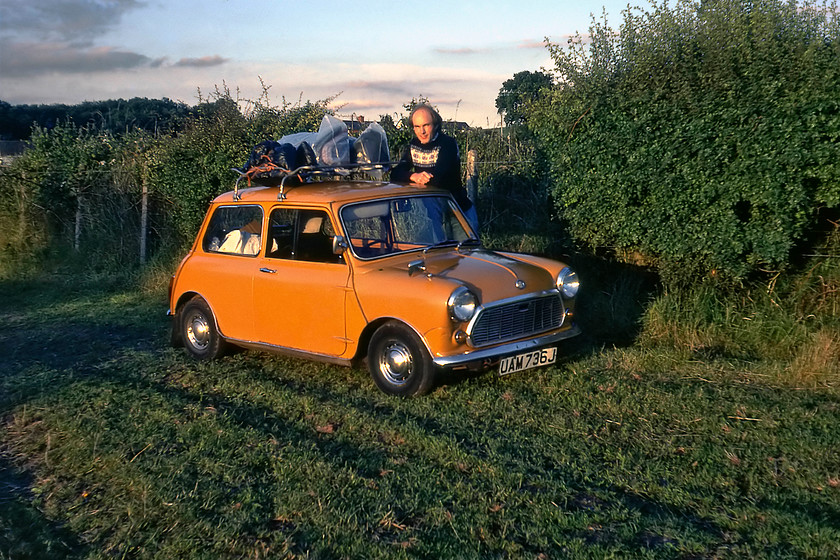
pixel 77 230
pixel 144 221
pixel 22 209
pixel 472 176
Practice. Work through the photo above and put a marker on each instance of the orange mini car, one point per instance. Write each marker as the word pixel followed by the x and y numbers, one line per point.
pixel 344 271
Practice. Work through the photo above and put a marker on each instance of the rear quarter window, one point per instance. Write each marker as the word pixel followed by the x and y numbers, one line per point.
pixel 234 230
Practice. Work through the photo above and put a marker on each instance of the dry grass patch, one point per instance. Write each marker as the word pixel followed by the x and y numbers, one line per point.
pixel 818 361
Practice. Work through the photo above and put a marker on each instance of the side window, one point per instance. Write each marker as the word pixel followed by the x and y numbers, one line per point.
pixel 235 230
pixel 315 238
pixel 303 235
pixel 367 225
pixel 281 233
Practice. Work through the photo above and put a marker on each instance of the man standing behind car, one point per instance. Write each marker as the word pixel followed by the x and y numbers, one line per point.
pixel 433 158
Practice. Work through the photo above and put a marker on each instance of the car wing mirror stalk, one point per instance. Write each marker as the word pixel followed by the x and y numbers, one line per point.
pixel 416 266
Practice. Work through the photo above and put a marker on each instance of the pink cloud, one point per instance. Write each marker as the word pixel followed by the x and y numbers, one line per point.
pixel 460 51
pixel 202 62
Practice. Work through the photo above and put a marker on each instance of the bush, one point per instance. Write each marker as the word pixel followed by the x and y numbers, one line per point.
pixel 190 169
pixel 701 136
pixel 74 195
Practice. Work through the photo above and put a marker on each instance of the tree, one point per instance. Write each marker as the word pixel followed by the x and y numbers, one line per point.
pixel 516 93
pixel 117 116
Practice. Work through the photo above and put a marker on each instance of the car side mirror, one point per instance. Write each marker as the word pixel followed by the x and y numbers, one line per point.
pixel 339 244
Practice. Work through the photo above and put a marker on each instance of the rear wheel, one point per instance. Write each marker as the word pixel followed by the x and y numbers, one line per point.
pixel 398 361
pixel 198 331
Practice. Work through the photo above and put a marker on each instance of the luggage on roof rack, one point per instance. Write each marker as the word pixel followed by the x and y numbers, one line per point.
pixel 326 154
pixel 307 174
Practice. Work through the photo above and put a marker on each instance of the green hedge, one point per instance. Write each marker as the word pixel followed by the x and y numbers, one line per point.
pixel 703 136
pixel 190 169
pixel 81 186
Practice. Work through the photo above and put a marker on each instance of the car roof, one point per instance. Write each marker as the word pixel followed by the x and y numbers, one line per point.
pixel 326 192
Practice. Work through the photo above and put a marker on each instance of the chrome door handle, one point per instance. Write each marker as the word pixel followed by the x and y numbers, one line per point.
pixel 268 270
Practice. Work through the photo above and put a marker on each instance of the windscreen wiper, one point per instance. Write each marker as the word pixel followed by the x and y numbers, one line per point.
pixel 471 242
pixel 439 244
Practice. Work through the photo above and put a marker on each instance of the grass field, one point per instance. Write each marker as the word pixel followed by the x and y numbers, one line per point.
pixel 114 445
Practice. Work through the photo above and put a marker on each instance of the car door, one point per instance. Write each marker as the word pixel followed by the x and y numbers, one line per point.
pixel 222 268
pixel 301 286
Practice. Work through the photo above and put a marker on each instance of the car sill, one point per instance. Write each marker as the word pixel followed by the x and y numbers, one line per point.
pixel 291 352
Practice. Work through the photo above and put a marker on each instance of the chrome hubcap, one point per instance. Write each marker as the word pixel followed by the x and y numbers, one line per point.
pixel 395 363
pixel 198 331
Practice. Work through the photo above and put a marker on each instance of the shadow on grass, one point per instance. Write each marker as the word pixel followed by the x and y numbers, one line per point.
pixel 42 351
pixel 24 531
pixel 613 300
pixel 609 309
pixel 613 297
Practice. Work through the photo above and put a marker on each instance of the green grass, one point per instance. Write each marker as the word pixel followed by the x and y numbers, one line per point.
pixel 115 445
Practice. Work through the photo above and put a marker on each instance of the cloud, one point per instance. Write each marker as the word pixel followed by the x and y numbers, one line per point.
pixel 441 87
pixel 203 62
pixel 361 106
pixel 533 44
pixel 382 86
pixel 51 37
pixel 461 51
pixel 357 104
pixel 527 44
pixel 30 59
pixel 34 59
pixel 63 20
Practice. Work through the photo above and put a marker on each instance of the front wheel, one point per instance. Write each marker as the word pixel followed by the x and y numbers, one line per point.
pixel 198 331
pixel 398 361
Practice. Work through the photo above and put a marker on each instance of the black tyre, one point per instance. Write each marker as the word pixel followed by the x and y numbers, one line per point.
pixel 198 331
pixel 399 362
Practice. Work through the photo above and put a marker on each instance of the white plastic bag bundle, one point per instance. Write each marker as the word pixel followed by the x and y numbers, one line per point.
pixel 299 137
pixel 372 145
pixel 332 144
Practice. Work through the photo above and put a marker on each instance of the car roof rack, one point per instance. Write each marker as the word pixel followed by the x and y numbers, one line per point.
pixel 307 174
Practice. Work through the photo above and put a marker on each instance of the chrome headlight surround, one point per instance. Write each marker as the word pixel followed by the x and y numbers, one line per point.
pixel 462 304
pixel 568 283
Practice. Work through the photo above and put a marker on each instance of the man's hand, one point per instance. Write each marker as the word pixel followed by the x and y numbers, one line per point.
pixel 421 178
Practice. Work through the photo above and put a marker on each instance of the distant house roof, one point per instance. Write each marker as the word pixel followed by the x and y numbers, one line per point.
pixel 456 125
pixel 12 147
pixel 356 124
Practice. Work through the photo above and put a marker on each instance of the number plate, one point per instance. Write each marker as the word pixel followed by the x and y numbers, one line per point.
pixel 528 360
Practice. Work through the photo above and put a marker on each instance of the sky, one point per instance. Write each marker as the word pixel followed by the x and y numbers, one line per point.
pixel 374 55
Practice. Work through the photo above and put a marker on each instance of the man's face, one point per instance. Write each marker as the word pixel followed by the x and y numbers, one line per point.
pixel 424 128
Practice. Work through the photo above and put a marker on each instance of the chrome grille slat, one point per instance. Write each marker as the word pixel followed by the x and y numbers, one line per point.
pixel 516 319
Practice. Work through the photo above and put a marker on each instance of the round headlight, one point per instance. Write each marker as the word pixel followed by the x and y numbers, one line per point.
pixel 568 283
pixel 462 304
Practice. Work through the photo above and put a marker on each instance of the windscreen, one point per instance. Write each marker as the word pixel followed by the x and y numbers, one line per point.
pixel 385 227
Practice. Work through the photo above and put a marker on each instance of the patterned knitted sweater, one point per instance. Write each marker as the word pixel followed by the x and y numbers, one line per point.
pixel 441 158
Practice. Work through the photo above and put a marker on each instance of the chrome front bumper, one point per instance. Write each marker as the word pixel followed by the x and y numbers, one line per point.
pixel 496 352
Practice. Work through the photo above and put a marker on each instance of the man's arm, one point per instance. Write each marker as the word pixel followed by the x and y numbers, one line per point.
pixel 401 173
pixel 447 170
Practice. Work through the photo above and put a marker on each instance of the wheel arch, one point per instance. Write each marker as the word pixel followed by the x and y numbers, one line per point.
pixel 373 326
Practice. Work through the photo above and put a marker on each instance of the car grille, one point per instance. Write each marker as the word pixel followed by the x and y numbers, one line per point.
pixel 516 319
